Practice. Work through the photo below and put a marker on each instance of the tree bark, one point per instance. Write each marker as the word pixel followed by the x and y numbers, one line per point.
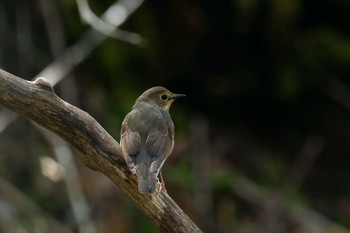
pixel 37 101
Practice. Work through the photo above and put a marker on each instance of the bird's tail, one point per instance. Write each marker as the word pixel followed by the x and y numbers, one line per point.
pixel 147 181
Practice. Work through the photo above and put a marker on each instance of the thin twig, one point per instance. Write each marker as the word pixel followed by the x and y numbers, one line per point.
pixel 25 207
pixel 76 53
pixel 114 17
pixel 64 156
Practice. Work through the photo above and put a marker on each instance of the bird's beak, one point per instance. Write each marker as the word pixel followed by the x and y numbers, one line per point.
pixel 178 96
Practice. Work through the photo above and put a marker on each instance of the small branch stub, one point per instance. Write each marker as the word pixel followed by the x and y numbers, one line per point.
pixel 43 84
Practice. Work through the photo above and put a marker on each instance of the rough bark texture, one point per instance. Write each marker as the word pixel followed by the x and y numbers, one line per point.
pixel 98 150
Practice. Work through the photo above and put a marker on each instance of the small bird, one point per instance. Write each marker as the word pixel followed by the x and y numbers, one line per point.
pixel 147 136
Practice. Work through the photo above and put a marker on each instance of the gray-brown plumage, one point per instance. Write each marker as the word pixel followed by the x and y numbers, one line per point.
pixel 147 136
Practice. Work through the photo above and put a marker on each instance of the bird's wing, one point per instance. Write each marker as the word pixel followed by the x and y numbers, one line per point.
pixel 159 144
pixel 130 143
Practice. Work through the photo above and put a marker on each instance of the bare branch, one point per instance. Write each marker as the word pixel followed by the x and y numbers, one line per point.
pixel 98 150
pixel 114 17
pixel 278 210
pixel 76 53
pixel 309 154
pixel 78 202
pixel 22 206
pixel 73 55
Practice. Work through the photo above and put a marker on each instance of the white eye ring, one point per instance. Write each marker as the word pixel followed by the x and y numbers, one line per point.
pixel 164 97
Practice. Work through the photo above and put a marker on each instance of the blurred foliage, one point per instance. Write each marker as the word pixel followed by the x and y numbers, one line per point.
pixel 261 73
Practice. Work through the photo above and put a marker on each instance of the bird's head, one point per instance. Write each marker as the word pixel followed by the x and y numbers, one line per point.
pixel 159 96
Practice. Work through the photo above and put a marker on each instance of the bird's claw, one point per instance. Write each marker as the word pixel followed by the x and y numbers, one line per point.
pixel 161 187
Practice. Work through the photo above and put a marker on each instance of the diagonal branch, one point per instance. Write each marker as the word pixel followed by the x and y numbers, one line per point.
pixel 98 150
pixel 79 51
pixel 23 206
pixel 112 19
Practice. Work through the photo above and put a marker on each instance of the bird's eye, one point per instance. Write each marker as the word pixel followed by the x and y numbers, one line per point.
pixel 164 97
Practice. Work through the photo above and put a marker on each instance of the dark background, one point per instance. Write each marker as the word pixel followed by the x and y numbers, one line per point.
pixel 262 139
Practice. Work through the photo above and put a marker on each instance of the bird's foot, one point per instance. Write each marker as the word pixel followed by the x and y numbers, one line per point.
pixel 132 169
pixel 161 187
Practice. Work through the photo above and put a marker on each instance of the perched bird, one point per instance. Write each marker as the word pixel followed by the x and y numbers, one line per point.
pixel 147 136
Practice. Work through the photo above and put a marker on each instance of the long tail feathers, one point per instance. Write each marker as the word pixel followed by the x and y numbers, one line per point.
pixel 142 173
pixel 147 182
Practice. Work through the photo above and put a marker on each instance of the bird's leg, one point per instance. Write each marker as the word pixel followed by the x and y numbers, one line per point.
pixel 161 183
pixel 155 167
